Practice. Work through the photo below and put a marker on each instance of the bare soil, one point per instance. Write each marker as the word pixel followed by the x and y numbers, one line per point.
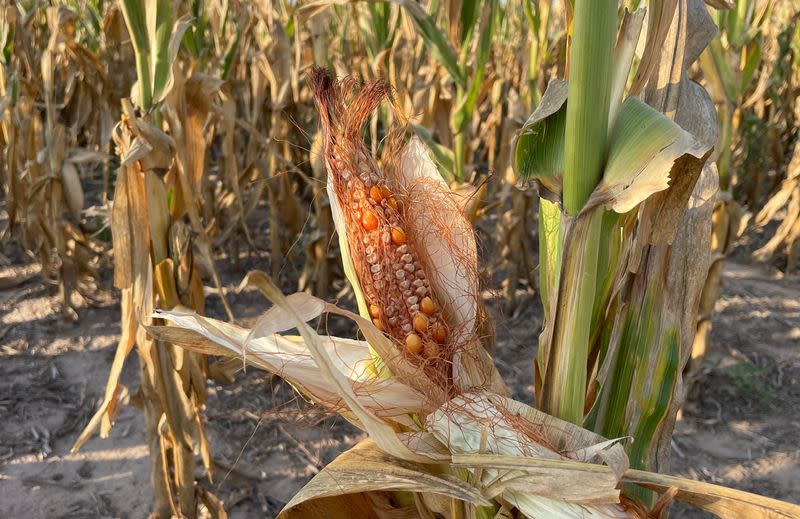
pixel 740 430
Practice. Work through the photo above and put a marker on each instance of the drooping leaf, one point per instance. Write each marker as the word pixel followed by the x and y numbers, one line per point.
pixel 340 489
pixel 289 357
pixel 644 146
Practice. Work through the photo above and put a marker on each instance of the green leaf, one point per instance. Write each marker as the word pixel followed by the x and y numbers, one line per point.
pixel 752 59
pixel 464 112
pixel 470 10
pixel 539 150
pixel 159 22
pixel 434 40
pixel 643 147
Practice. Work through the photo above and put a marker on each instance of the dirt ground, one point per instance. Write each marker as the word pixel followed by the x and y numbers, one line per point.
pixel 741 429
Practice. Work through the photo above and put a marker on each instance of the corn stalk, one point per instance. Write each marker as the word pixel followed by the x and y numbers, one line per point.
pixel 47 153
pixel 781 117
pixel 617 313
pixel 155 214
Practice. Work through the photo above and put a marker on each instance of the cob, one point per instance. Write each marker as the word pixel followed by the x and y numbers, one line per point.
pixel 396 284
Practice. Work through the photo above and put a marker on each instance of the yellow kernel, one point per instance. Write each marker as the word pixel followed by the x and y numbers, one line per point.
pixel 375 194
pixel 413 343
pixel 378 324
pixel 398 236
pixel 420 323
pixel 439 332
pixel 392 203
pixel 431 349
pixel 375 311
pixel 369 221
pixel 427 305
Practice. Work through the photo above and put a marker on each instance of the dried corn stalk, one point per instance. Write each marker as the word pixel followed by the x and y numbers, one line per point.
pixel 45 153
pixel 157 263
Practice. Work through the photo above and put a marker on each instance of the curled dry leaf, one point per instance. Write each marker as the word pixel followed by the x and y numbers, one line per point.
pixel 289 356
pixel 486 423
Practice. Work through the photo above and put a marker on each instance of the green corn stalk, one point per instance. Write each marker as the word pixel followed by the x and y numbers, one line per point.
pixel 613 344
pixel 586 123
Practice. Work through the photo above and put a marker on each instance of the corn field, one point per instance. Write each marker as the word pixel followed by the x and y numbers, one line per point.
pixel 496 243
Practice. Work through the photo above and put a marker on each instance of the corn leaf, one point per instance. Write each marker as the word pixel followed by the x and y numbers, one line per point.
pixel 435 40
pixel 644 146
pixel 338 490
pixel 539 149
pixel 289 357
pixel 722 501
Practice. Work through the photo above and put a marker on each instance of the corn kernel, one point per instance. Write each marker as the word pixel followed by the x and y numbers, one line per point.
pixel 378 324
pixel 369 221
pixel 439 332
pixel 376 194
pixel 375 311
pixel 431 349
pixel 398 235
pixel 420 323
pixel 427 305
pixel 413 343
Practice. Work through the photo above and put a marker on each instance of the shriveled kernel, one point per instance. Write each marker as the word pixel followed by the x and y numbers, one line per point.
pixel 420 323
pixel 427 305
pixel 431 349
pixel 378 324
pixel 385 192
pixel 412 300
pixel 406 258
pixel 375 194
pixel 439 332
pixel 414 343
pixel 393 203
pixel 398 235
pixel 375 311
pixel 369 221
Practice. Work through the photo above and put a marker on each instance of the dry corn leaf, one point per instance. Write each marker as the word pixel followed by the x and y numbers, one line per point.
pixel 725 502
pixel 482 422
pixel 289 357
pixel 397 363
pixel 366 468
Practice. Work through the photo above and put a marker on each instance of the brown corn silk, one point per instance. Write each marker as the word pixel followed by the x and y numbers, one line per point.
pixel 385 255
